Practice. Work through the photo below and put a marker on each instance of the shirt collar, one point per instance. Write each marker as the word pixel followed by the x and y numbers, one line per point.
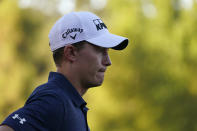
pixel 67 87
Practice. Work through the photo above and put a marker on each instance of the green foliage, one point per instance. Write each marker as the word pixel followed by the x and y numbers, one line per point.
pixel 151 85
pixel 22 55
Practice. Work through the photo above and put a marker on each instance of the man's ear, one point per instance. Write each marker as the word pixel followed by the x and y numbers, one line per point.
pixel 70 53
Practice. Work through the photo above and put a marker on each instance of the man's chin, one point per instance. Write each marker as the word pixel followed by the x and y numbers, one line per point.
pixel 96 84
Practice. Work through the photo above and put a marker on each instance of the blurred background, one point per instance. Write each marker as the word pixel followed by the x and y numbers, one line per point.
pixel 151 85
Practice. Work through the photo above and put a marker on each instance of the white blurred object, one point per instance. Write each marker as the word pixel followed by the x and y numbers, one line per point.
pixel 98 4
pixel 149 10
pixel 186 4
pixel 66 6
pixel 47 6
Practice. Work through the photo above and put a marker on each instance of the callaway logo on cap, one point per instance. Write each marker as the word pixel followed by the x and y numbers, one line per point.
pixel 79 26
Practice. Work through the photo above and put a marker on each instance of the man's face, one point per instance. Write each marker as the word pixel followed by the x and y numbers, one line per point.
pixel 91 64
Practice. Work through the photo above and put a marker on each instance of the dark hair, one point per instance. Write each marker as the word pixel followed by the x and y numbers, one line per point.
pixel 58 54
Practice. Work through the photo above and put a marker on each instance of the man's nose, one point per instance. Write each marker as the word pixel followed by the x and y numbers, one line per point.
pixel 106 60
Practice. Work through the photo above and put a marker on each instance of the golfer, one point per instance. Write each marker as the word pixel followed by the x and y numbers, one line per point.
pixel 80 42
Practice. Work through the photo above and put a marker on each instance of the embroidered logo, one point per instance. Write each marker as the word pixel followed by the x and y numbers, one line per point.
pixel 73 37
pixel 99 24
pixel 21 120
pixel 71 32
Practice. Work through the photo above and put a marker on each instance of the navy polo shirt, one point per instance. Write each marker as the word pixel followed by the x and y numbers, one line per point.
pixel 53 106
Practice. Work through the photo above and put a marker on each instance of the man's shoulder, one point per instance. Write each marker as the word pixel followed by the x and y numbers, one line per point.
pixel 46 88
pixel 49 89
pixel 43 110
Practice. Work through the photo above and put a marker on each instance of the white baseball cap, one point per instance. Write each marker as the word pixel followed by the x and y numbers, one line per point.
pixel 84 26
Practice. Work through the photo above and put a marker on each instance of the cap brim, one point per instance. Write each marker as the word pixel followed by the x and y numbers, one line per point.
pixel 109 40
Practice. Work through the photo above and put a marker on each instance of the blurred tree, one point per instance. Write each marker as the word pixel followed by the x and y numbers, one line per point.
pixel 22 54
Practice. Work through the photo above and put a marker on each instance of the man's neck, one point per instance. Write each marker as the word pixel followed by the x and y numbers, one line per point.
pixel 76 84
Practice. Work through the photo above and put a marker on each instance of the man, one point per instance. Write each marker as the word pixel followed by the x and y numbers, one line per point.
pixel 80 42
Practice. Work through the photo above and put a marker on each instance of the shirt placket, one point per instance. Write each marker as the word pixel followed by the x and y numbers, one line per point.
pixel 85 110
